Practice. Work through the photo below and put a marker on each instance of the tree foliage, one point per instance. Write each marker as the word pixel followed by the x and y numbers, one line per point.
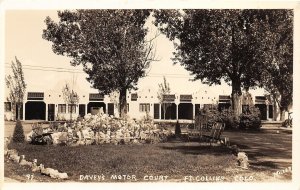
pixel 16 85
pixel 70 97
pixel 216 45
pixel 164 89
pixel 110 44
pixel 276 54
pixel 18 135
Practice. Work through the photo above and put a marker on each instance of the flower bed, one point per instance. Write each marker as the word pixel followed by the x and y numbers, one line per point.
pixel 99 129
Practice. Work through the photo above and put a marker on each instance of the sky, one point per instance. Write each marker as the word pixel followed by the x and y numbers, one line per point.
pixel 24 40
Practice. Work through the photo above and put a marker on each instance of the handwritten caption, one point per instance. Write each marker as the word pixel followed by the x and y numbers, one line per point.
pixel 164 178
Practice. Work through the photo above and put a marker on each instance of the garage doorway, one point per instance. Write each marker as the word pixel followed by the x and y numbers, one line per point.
pixel 35 110
pixel 94 107
pixel 185 111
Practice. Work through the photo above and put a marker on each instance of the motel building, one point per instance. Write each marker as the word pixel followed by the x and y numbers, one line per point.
pixel 50 105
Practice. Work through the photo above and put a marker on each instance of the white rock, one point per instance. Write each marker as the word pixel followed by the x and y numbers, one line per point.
pixel 34 166
pixel 15 158
pixel 62 175
pixel 86 134
pixel 243 160
pixel 23 162
pixel 29 136
pixel 55 137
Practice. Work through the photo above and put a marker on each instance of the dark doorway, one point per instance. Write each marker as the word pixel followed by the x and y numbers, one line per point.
pixel 110 109
pixel 271 111
pixel 170 111
pixel 35 110
pixel 223 106
pixel 82 110
pixel 51 112
pixel 263 111
pixel 197 109
pixel 185 111
pixel 94 107
pixel 156 111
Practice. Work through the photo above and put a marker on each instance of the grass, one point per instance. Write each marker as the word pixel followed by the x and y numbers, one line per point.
pixel 139 160
pixel 268 152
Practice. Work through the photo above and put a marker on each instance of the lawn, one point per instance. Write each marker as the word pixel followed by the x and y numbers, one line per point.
pixel 139 160
pixel 268 153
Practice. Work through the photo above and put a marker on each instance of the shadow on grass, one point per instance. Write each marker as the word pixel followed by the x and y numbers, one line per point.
pixel 265 164
pixel 198 149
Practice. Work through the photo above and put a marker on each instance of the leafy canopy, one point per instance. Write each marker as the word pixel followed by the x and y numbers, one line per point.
pixel 110 44
pixel 219 44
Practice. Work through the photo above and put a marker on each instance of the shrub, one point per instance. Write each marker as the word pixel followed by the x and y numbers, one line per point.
pixel 177 129
pixel 247 120
pixel 18 135
pixel 250 119
pixel 227 117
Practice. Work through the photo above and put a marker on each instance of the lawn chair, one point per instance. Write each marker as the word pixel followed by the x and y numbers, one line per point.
pixel 197 130
pixel 215 134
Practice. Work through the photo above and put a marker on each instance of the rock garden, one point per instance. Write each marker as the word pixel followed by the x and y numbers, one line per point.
pixel 99 129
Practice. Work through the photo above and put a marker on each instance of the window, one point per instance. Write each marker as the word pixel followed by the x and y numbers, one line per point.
pixel 71 108
pixel 61 108
pixel 134 97
pixel 96 97
pixel 35 96
pixel 144 107
pixel 7 106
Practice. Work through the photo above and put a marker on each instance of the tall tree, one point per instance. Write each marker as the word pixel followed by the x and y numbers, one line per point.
pixel 110 44
pixel 16 86
pixel 164 89
pixel 71 98
pixel 218 44
pixel 276 54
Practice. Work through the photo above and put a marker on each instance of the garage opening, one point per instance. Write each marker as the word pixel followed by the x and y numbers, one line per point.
pixel 185 111
pixel 168 111
pixel 35 110
pixel 223 106
pixel 94 107
pixel 263 111
pixel 51 112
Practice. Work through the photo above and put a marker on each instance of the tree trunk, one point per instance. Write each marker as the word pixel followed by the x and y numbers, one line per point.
pixel 19 111
pixel 123 103
pixel 282 114
pixel 71 113
pixel 14 112
pixel 164 110
pixel 275 111
pixel 236 98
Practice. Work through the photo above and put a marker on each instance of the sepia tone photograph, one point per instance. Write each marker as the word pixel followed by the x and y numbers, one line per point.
pixel 130 96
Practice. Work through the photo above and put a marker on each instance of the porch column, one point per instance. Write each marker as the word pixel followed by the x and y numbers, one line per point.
pixel 193 111
pixel 159 111
pixel 46 117
pixel 23 111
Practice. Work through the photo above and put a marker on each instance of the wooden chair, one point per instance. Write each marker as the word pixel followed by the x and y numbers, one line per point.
pixel 215 135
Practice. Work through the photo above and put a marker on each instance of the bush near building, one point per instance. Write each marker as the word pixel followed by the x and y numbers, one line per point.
pixel 18 135
pixel 250 119
pixel 247 120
